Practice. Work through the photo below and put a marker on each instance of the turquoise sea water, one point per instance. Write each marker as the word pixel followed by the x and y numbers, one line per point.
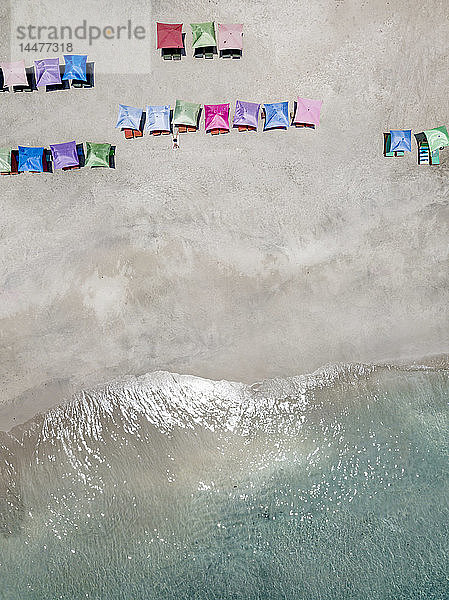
pixel 328 486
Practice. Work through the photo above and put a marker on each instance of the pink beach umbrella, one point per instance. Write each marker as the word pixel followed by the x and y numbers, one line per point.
pixel 14 73
pixel 216 116
pixel 308 111
pixel 230 37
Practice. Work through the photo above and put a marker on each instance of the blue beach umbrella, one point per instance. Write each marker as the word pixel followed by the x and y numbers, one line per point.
pixel 129 117
pixel 276 115
pixel 75 67
pixel 30 159
pixel 158 118
pixel 401 140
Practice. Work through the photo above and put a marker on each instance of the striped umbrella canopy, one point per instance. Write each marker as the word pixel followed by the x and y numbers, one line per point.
pixel 438 137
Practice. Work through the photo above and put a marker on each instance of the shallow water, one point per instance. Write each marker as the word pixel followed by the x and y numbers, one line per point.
pixel 327 486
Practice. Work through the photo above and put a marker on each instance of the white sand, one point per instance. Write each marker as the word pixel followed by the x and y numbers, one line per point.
pixel 241 256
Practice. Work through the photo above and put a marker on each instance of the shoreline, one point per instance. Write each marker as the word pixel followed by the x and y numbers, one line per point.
pixel 14 413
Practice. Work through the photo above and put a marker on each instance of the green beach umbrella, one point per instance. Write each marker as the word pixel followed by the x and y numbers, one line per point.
pixel 437 137
pixel 5 160
pixel 203 35
pixel 97 154
pixel 186 113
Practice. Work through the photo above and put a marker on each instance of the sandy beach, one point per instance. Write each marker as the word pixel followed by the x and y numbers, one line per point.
pixel 241 256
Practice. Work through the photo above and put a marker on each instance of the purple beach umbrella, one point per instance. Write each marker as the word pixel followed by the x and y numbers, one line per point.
pixel 64 155
pixel 246 114
pixel 47 72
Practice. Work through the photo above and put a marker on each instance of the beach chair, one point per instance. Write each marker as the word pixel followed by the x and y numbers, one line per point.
pixel 435 157
pixel 3 88
pixel 112 157
pixel 14 164
pixel 81 155
pixel 47 161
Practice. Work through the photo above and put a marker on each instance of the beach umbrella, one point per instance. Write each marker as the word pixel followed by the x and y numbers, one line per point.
pixel 186 113
pixel 246 114
pixel 31 159
pixel 75 67
pixel 276 115
pixel 158 118
pixel 14 73
pixel 230 37
pixel 438 137
pixel 64 155
pixel 5 160
pixel 97 155
pixel 169 35
pixel 203 35
pixel 216 116
pixel 308 111
pixel 47 72
pixel 401 140
pixel 129 117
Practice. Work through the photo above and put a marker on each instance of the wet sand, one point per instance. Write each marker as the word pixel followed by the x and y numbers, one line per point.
pixel 242 256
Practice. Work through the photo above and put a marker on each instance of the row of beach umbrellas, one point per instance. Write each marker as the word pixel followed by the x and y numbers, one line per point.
pixel 68 155
pixel 246 116
pixel 47 71
pixel 227 36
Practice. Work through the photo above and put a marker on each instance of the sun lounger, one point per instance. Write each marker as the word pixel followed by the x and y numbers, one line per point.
pixel 435 157
pixel 112 157
pixel 387 145
pixel 3 88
